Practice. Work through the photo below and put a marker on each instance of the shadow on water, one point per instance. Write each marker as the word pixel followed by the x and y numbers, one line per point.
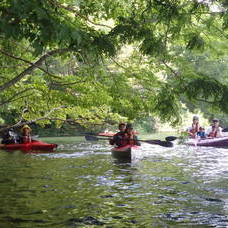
pixel 81 185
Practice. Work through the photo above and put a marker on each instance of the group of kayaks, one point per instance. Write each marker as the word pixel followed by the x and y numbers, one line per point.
pixel 118 152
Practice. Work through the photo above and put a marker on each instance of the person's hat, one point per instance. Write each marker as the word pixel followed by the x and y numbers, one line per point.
pixel 215 120
pixel 26 126
pixel 195 118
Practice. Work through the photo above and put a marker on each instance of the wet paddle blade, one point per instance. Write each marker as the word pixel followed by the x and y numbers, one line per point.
pixel 159 142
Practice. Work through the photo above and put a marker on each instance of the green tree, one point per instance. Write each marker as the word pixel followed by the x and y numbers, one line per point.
pixel 62 60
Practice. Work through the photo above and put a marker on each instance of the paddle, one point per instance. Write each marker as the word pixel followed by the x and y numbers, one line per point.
pixel 157 142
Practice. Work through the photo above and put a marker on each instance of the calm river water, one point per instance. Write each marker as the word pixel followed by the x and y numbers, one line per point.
pixel 81 185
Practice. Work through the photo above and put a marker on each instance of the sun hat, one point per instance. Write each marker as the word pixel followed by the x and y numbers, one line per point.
pixel 26 126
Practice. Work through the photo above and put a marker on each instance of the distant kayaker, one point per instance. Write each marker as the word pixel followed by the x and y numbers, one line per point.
pixel 201 133
pixel 9 137
pixel 129 136
pixel 192 131
pixel 214 130
pixel 26 134
pixel 118 138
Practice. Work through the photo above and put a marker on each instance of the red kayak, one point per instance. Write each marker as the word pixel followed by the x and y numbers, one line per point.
pixel 33 146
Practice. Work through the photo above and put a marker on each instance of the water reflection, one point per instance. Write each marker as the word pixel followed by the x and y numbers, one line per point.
pixel 82 185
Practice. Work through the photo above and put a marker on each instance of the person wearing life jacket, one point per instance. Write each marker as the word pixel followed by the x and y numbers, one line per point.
pixel 201 133
pixel 192 131
pixel 118 138
pixel 129 136
pixel 214 131
pixel 9 137
pixel 26 134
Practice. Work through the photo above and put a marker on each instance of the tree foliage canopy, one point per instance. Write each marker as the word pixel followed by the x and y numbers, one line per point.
pixel 91 62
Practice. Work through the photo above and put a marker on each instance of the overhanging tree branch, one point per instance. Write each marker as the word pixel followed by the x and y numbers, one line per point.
pixel 28 70
pixel 15 97
pixel 28 62
pixel 46 116
pixel 171 69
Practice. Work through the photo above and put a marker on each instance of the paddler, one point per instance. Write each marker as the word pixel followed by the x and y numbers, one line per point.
pixel 9 137
pixel 192 131
pixel 214 130
pixel 201 133
pixel 129 136
pixel 119 136
pixel 26 134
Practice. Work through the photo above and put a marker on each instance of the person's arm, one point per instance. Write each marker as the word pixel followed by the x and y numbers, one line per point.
pixel 219 132
pixel 208 131
pixel 111 141
pixel 189 129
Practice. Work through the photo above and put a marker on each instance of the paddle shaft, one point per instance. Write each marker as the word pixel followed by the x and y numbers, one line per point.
pixel 155 142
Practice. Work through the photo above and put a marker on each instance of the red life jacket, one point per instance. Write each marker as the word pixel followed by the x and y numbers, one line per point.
pixel 214 132
pixel 127 140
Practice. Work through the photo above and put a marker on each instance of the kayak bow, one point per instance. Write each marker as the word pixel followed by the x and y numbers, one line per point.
pixel 123 152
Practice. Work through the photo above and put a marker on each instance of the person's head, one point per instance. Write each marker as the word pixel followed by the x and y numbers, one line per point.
pixel 195 119
pixel 129 128
pixel 215 122
pixel 11 132
pixel 122 126
pixel 26 129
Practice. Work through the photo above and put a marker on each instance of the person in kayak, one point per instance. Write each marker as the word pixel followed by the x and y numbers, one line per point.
pixel 192 131
pixel 214 131
pixel 118 138
pixel 129 136
pixel 26 134
pixel 9 137
pixel 201 133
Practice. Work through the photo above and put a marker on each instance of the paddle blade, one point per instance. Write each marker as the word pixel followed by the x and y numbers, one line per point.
pixel 170 138
pixel 166 144
pixel 159 142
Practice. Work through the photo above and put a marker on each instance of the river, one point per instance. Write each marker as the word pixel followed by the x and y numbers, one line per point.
pixel 81 185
